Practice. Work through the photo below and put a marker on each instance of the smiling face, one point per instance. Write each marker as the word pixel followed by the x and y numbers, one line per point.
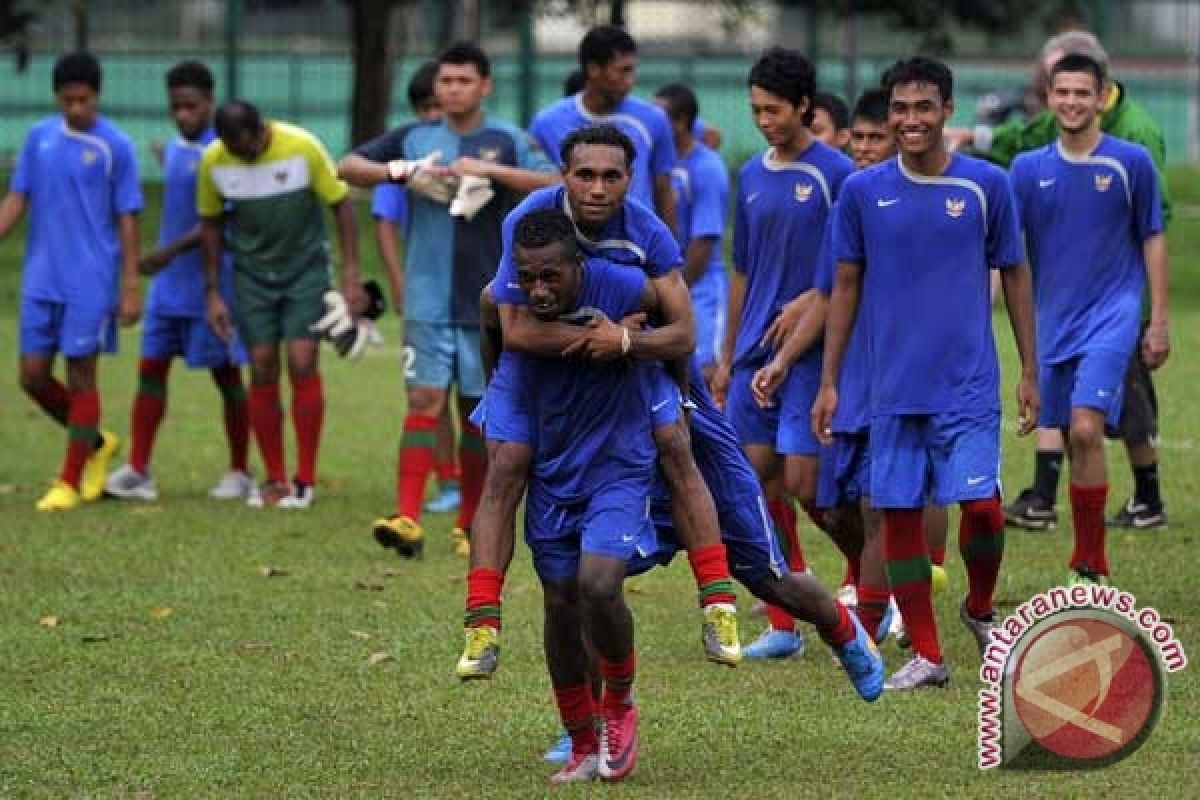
pixel 549 275
pixel 870 142
pixel 597 180
pixel 1076 98
pixel 917 114
pixel 776 118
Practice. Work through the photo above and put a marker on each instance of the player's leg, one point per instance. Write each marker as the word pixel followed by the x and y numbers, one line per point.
pixel 937 524
pixel 83 424
pixel 308 417
pixel 445 458
pixel 256 308
pixel 237 483
pixel 1034 508
pixel 40 339
pixel 566 658
pixel 1138 427
pixel 471 454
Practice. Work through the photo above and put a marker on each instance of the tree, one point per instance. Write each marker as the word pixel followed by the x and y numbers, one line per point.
pixel 16 29
pixel 373 44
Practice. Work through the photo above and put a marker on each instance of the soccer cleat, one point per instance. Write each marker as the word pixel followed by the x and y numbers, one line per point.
pixel 448 499
pixel 401 534
pixel 129 484
pixel 269 495
pixel 95 469
pixel 1032 512
pixel 481 654
pixel 462 542
pixel 938 579
pixel 775 644
pixel 1084 576
pixel 860 658
pixel 980 628
pixel 897 630
pixel 234 485
pixel 847 595
pixel 301 498
pixel 578 767
pixel 918 672
pixel 61 496
pixel 560 751
pixel 720 635
pixel 1139 516
pixel 890 613
pixel 619 742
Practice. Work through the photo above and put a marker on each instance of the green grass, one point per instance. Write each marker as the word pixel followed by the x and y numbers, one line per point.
pixel 262 687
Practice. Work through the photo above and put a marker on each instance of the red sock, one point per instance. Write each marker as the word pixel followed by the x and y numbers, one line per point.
pixel 447 471
pixel 1087 513
pixel 474 464
pixel 149 405
pixel 237 421
pixel 308 414
pixel 83 420
pixel 981 543
pixel 618 679
pixel 266 420
pixel 415 464
pixel 908 570
pixel 711 568
pixel 483 598
pixel 54 399
pixel 937 555
pixel 872 605
pixel 783 514
pixel 577 711
pixel 842 632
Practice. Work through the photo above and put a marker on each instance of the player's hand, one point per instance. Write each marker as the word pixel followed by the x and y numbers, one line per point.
pixel 957 138
pixel 218 316
pixel 766 382
pixel 130 310
pixel 822 414
pixel 153 263
pixel 601 342
pixel 1029 403
pixel 634 321
pixel 1156 345
pixel 786 321
pixel 720 383
pixel 469 165
pixel 356 299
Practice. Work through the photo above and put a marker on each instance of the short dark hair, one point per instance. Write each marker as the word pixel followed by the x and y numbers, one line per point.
pixel 597 134
pixel 420 85
pixel 681 102
pixel 872 106
pixel 574 82
pixel 835 107
pixel 236 117
pixel 788 74
pixel 1078 62
pixel 77 68
pixel 920 69
pixel 545 227
pixel 191 75
pixel 603 43
pixel 461 53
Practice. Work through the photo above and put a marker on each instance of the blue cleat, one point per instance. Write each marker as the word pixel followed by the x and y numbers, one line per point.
pixel 775 644
pixel 560 751
pixel 448 499
pixel 860 658
pixel 885 624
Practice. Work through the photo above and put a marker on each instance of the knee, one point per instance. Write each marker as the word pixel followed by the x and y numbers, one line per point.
pixel 674 452
pixel 987 511
pixel 32 382
pixel 598 589
pixel 558 601
pixel 1086 433
pixel 508 464
pixel 425 401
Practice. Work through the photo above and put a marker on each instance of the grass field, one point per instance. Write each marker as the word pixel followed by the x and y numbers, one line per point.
pixel 177 669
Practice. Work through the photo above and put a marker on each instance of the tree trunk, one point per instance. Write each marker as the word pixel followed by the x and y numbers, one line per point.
pixel 374 67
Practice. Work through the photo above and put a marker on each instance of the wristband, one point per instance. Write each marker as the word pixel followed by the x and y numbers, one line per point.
pixel 626 341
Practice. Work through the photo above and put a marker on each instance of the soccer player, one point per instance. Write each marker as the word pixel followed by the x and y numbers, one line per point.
pixel 608 58
pixel 831 120
pixel 270 180
pixel 174 324
pixel 1090 207
pixel 77 177
pixel 596 161
pixel 783 201
pixel 450 260
pixel 389 206
pixel 701 202
pixel 913 237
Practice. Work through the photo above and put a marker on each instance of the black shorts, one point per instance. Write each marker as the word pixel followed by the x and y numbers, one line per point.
pixel 1139 415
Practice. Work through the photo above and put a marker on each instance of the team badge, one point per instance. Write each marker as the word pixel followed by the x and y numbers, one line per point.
pixel 281 176
pixel 89 156
pixel 955 207
pixel 1103 182
pixel 803 192
pixel 489 153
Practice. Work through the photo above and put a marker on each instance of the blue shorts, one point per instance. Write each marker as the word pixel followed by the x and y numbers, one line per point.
pixel 1093 380
pixel 797 395
pixel 613 522
pixel 945 458
pixel 440 355
pixel 76 332
pixel 190 337
pixel 844 473
pixel 754 424
pixel 503 412
pixel 710 310
pixel 662 394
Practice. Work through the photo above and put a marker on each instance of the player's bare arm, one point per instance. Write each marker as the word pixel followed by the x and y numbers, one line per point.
pixel 210 248
pixel 12 208
pixel 525 333
pixel 724 370
pixel 664 200
pixel 385 240
pixel 360 171
pixel 843 308
pixel 521 180
pixel 695 260
pixel 130 309
pixel 491 338
pixel 1017 283
pixel 156 260
pixel 1156 344
pixel 787 319
pixel 347 228
pixel 799 341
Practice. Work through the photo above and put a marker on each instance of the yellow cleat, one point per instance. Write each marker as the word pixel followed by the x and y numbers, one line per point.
pixel 938 579
pixel 61 496
pixel 402 534
pixel 462 542
pixel 481 654
pixel 720 633
pixel 95 471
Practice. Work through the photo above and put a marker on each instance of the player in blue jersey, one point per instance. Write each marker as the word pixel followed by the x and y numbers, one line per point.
pixel 783 201
pixel 913 237
pixel 1091 212
pixel 608 57
pixel 174 323
pixel 701 203
pixel 831 120
pixel 450 259
pixel 596 179
pixel 77 177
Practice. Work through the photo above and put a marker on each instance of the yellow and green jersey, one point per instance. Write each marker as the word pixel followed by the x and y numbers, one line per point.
pixel 274 203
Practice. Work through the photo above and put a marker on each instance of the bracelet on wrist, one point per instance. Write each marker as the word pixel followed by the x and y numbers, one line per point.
pixel 626 341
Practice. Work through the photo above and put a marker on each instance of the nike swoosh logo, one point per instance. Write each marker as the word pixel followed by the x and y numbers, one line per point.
pixel 1046 184
pixel 627 538
pixel 885 203
pixel 514 286
pixel 751 198
pixel 976 481
pixel 658 406
pixel 1103 392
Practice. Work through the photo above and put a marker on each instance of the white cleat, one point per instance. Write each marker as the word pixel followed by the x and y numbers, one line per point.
pixel 234 485
pixel 129 484
pixel 301 498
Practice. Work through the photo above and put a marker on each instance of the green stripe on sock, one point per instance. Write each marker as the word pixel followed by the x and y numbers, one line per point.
pixel 473 616
pixel 152 385
pixel 420 440
pixel 716 587
pixel 232 394
pixel 471 442
pixel 82 433
pixel 908 571
pixel 983 547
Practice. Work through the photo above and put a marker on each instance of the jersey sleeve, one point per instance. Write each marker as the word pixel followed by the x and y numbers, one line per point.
pixel 846 232
pixel 826 263
pixel 708 207
pixel 325 182
pixel 1004 246
pixel 1146 195
pixel 127 189
pixel 662 249
pixel 739 228
pixel 22 177
pixel 539 130
pixel 1019 177
pixel 390 202
pixel 385 147
pixel 662 147
pixel 505 289
pixel 622 288
pixel 209 202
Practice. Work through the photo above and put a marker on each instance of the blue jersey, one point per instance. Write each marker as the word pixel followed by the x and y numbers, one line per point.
pixel 782 208
pixel 389 201
pixel 853 413
pixel 449 260
pixel 645 123
pixel 178 290
pixel 925 244
pixel 593 422
pixel 1085 221
pixel 701 199
pixel 77 184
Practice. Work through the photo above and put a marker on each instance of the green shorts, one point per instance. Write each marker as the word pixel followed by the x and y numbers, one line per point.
pixel 271 311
